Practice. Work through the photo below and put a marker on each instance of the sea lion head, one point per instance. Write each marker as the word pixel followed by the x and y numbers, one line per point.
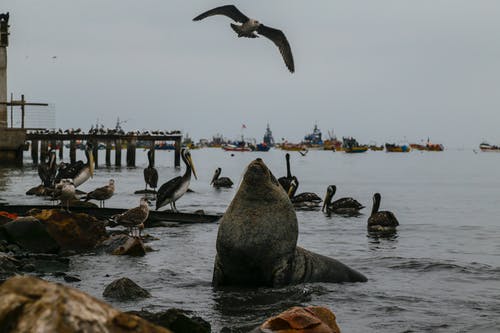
pixel 258 175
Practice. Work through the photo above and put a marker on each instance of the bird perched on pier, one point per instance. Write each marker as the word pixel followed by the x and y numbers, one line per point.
pixel 305 200
pixel 220 181
pixel 286 181
pixel 134 218
pixel 79 172
pixel 250 28
pixel 150 173
pixel 381 221
pixel 343 206
pixel 175 188
pixel 102 193
pixel 67 192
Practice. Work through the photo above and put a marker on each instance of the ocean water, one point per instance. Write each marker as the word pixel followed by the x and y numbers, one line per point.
pixel 439 273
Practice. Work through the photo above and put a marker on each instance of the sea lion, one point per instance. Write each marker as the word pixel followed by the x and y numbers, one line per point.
pixel 257 240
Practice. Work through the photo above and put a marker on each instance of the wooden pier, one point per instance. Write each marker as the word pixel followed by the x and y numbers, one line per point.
pixel 40 143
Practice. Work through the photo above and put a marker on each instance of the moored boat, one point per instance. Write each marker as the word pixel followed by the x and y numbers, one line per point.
pixel 394 148
pixel 357 149
pixel 229 147
pixel 487 147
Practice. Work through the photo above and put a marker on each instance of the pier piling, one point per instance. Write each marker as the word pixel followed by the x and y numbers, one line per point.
pixel 118 152
pixel 177 159
pixel 108 153
pixel 131 147
pixel 72 151
pixel 34 151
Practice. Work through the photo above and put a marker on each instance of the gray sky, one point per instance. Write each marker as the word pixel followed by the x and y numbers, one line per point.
pixel 377 70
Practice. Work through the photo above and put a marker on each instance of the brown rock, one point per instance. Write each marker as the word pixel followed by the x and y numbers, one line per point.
pixel 121 244
pixel 125 289
pixel 311 319
pixel 72 231
pixel 28 304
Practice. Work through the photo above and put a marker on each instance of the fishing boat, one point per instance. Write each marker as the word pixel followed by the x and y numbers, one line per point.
pixel 230 147
pixel 376 148
pixel 292 146
pixel 394 148
pixel 489 148
pixel 358 149
pixel 428 146
pixel 262 147
pixel 350 145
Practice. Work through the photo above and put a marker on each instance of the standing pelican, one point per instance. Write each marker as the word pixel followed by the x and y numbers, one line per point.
pixel 47 171
pixel 79 172
pixel 250 27
pixel 175 188
pixel 305 200
pixel 102 193
pixel 220 181
pixel 150 173
pixel 344 206
pixel 286 181
pixel 135 217
pixel 383 221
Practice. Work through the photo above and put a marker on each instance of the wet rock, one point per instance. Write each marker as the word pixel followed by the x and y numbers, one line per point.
pixel 29 304
pixel 13 248
pixel 121 244
pixel 72 231
pixel 28 267
pixel 176 320
pixel 31 234
pixel 311 319
pixel 70 278
pixel 125 289
pixel 6 217
pixel 8 267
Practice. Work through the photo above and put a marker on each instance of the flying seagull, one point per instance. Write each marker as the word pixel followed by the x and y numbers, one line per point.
pixel 249 27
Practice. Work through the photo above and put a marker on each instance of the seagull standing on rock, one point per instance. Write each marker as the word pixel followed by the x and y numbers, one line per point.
pixel 250 28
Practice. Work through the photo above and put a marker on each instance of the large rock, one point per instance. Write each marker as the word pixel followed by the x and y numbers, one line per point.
pixel 9 266
pixel 31 234
pixel 176 320
pixel 311 319
pixel 72 231
pixel 28 304
pixel 125 289
pixel 121 244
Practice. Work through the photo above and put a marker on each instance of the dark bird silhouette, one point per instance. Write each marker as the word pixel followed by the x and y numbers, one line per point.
pixel 286 181
pixel 176 187
pixel 47 171
pixel 150 173
pixel 250 28
pixel 134 218
pixel 79 171
pixel 343 206
pixel 218 181
pixel 381 221
pixel 305 200
pixel 102 193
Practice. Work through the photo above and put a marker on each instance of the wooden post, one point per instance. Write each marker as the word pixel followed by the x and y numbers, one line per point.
pixel 118 152
pixel 61 148
pixel 177 160
pixel 131 147
pixel 34 151
pixel 44 147
pixel 95 152
pixel 108 153
pixel 72 151
pixel 152 148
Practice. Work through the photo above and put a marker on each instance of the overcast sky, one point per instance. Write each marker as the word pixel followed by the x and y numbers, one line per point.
pixel 377 70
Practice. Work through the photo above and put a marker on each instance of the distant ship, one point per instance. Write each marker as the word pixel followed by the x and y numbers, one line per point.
pixel 268 137
pixel 487 147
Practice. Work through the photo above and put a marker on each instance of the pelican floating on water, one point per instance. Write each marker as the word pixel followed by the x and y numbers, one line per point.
pixel 381 221
pixel 250 27
pixel 102 193
pixel 286 181
pixel 175 188
pixel 343 206
pixel 305 200
pixel 220 181
pixel 150 173
pixel 79 172
pixel 135 217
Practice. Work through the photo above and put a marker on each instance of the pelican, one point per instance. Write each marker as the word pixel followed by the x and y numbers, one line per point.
pixel 134 217
pixel 79 172
pixel 67 194
pixel 150 173
pixel 47 171
pixel 102 193
pixel 285 181
pixel 344 206
pixel 175 188
pixel 250 27
pixel 305 200
pixel 220 181
pixel 383 221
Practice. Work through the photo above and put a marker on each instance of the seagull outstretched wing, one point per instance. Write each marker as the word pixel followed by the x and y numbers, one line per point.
pixel 228 10
pixel 279 39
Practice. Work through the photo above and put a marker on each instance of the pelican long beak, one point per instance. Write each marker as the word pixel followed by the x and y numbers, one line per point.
pixel 213 178
pixel 91 162
pixel 326 201
pixel 290 190
pixel 192 166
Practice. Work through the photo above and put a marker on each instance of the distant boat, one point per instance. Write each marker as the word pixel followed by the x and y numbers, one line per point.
pixel 262 147
pixel 487 147
pixel 394 148
pixel 229 147
pixel 292 146
pixel 351 145
pixel 376 148
pixel 357 149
